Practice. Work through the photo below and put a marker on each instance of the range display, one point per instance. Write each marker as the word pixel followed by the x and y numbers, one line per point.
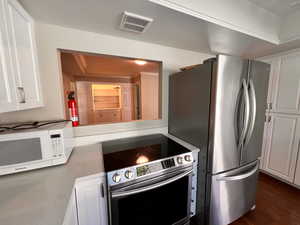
pixel 142 170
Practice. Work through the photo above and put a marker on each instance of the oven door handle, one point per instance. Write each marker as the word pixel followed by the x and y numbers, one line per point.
pixel 150 187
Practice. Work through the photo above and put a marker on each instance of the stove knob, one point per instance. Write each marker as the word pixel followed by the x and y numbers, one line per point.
pixel 128 174
pixel 179 160
pixel 187 158
pixel 116 178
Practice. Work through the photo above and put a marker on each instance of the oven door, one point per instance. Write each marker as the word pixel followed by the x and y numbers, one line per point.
pixel 162 200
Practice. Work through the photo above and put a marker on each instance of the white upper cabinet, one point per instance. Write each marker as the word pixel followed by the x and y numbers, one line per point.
pixel 7 81
pixel 19 65
pixel 282 146
pixel 297 175
pixel 286 88
pixel 272 81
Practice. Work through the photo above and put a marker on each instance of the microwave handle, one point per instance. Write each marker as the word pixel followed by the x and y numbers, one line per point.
pixel 150 187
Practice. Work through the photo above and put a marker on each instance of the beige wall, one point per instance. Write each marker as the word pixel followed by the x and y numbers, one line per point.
pixel 51 37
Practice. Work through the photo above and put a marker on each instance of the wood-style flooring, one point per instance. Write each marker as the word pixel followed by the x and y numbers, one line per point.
pixel 277 204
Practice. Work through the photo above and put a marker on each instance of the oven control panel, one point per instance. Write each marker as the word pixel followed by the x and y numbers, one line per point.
pixel 135 172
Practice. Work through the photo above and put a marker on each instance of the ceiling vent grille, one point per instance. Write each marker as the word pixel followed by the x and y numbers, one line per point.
pixel 135 23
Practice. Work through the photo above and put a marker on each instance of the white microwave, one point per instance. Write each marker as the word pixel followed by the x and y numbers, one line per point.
pixel 35 148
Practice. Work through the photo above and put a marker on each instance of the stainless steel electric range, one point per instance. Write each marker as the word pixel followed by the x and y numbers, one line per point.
pixel 149 181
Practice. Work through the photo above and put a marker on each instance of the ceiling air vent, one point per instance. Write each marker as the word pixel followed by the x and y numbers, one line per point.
pixel 135 23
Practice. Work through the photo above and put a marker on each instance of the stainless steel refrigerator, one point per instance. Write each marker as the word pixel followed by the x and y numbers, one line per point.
pixel 220 106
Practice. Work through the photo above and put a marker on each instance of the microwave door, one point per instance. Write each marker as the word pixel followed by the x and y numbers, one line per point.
pixel 20 151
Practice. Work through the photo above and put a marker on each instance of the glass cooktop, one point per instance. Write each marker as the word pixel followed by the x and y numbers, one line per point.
pixel 128 152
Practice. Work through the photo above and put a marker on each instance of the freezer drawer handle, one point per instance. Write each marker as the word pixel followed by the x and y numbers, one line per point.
pixel 241 176
pixel 150 187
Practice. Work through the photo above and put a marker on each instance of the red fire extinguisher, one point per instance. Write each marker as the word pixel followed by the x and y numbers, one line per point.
pixel 72 105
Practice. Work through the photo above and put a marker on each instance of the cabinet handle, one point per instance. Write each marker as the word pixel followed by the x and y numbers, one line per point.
pixel 21 95
pixel 269 119
pixel 102 190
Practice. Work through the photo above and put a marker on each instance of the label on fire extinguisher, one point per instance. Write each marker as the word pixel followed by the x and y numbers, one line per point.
pixel 73 117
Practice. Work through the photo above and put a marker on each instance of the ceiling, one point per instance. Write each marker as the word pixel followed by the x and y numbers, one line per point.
pixel 169 28
pixel 278 7
pixel 94 65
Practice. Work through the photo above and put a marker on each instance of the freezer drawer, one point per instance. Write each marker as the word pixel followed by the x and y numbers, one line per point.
pixel 233 194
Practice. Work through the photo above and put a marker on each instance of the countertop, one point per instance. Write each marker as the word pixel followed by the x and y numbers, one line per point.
pixel 40 197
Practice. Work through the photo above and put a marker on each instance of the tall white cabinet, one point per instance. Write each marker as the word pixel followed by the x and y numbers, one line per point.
pixel 282 127
pixel 20 86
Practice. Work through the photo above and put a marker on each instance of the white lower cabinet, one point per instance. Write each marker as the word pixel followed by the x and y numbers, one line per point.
pixel 71 213
pixel 282 135
pixel 297 174
pixel 91 201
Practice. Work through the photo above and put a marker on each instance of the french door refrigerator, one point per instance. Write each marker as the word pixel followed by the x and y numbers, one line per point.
pixel 219 106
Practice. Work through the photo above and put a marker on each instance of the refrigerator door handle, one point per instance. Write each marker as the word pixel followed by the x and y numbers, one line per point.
pixel 247 114
pixel 240 176
pixel 253 109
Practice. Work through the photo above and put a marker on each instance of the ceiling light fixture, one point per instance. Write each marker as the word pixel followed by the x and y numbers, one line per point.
pixel 140 62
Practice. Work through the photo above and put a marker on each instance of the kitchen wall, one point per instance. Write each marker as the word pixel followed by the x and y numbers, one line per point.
pixel 52 37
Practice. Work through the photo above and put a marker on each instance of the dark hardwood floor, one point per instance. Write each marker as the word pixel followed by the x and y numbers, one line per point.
pixel 277 204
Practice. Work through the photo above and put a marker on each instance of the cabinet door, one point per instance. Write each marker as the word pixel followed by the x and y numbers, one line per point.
pixel 265 141
pixel 274 63
pixel 71 213
pixel 91 202
pixel 7 83
pixel 287 94
pixel 149 96
pixel 24 56
pixel 282 146
pixel 127 102
pixel 297 175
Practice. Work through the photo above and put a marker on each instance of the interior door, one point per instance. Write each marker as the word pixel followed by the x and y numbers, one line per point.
pixel 258 92
pixel 233 194
pixel 229 86
pixel 127 102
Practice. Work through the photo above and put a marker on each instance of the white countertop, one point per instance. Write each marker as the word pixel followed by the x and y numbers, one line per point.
pixel 40 197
